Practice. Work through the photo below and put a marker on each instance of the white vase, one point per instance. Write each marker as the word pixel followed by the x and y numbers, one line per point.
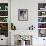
pixel 22 43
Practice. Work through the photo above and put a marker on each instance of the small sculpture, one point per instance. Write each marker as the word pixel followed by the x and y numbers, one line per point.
pixel 31 27
pixel 13 27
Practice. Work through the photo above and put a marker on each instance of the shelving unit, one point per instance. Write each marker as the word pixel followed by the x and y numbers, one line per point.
pixel 4 19
pixel 42 19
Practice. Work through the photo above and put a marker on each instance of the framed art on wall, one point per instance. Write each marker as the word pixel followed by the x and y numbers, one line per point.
pixel 23 14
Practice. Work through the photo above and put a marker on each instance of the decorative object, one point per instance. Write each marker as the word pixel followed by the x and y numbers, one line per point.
pixel 0 7
pixel 41 19
pixel 42 32
pixel 6 7
pixel 23 40
pixel 41 6
pixel 13 27
pixel 23 14
pixel 3 13
pixel 4 29
pixel 22 43
pixel 41 25
pixel 43 13
pixel 3 19
pixel 31 27
pixel 26 38
pixel 3 6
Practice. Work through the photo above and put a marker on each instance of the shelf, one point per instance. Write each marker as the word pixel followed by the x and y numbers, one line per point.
pixel 3 16
pixel 3 10
pixel 41 28
pixel 41 10
pixel 41 22
pixel 3 22
pixel 42 16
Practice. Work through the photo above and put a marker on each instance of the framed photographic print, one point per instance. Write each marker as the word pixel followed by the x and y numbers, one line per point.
pixel 23 14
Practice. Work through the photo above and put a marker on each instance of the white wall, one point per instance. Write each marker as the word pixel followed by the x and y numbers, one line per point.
pixel 32 6
pixel 32 15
